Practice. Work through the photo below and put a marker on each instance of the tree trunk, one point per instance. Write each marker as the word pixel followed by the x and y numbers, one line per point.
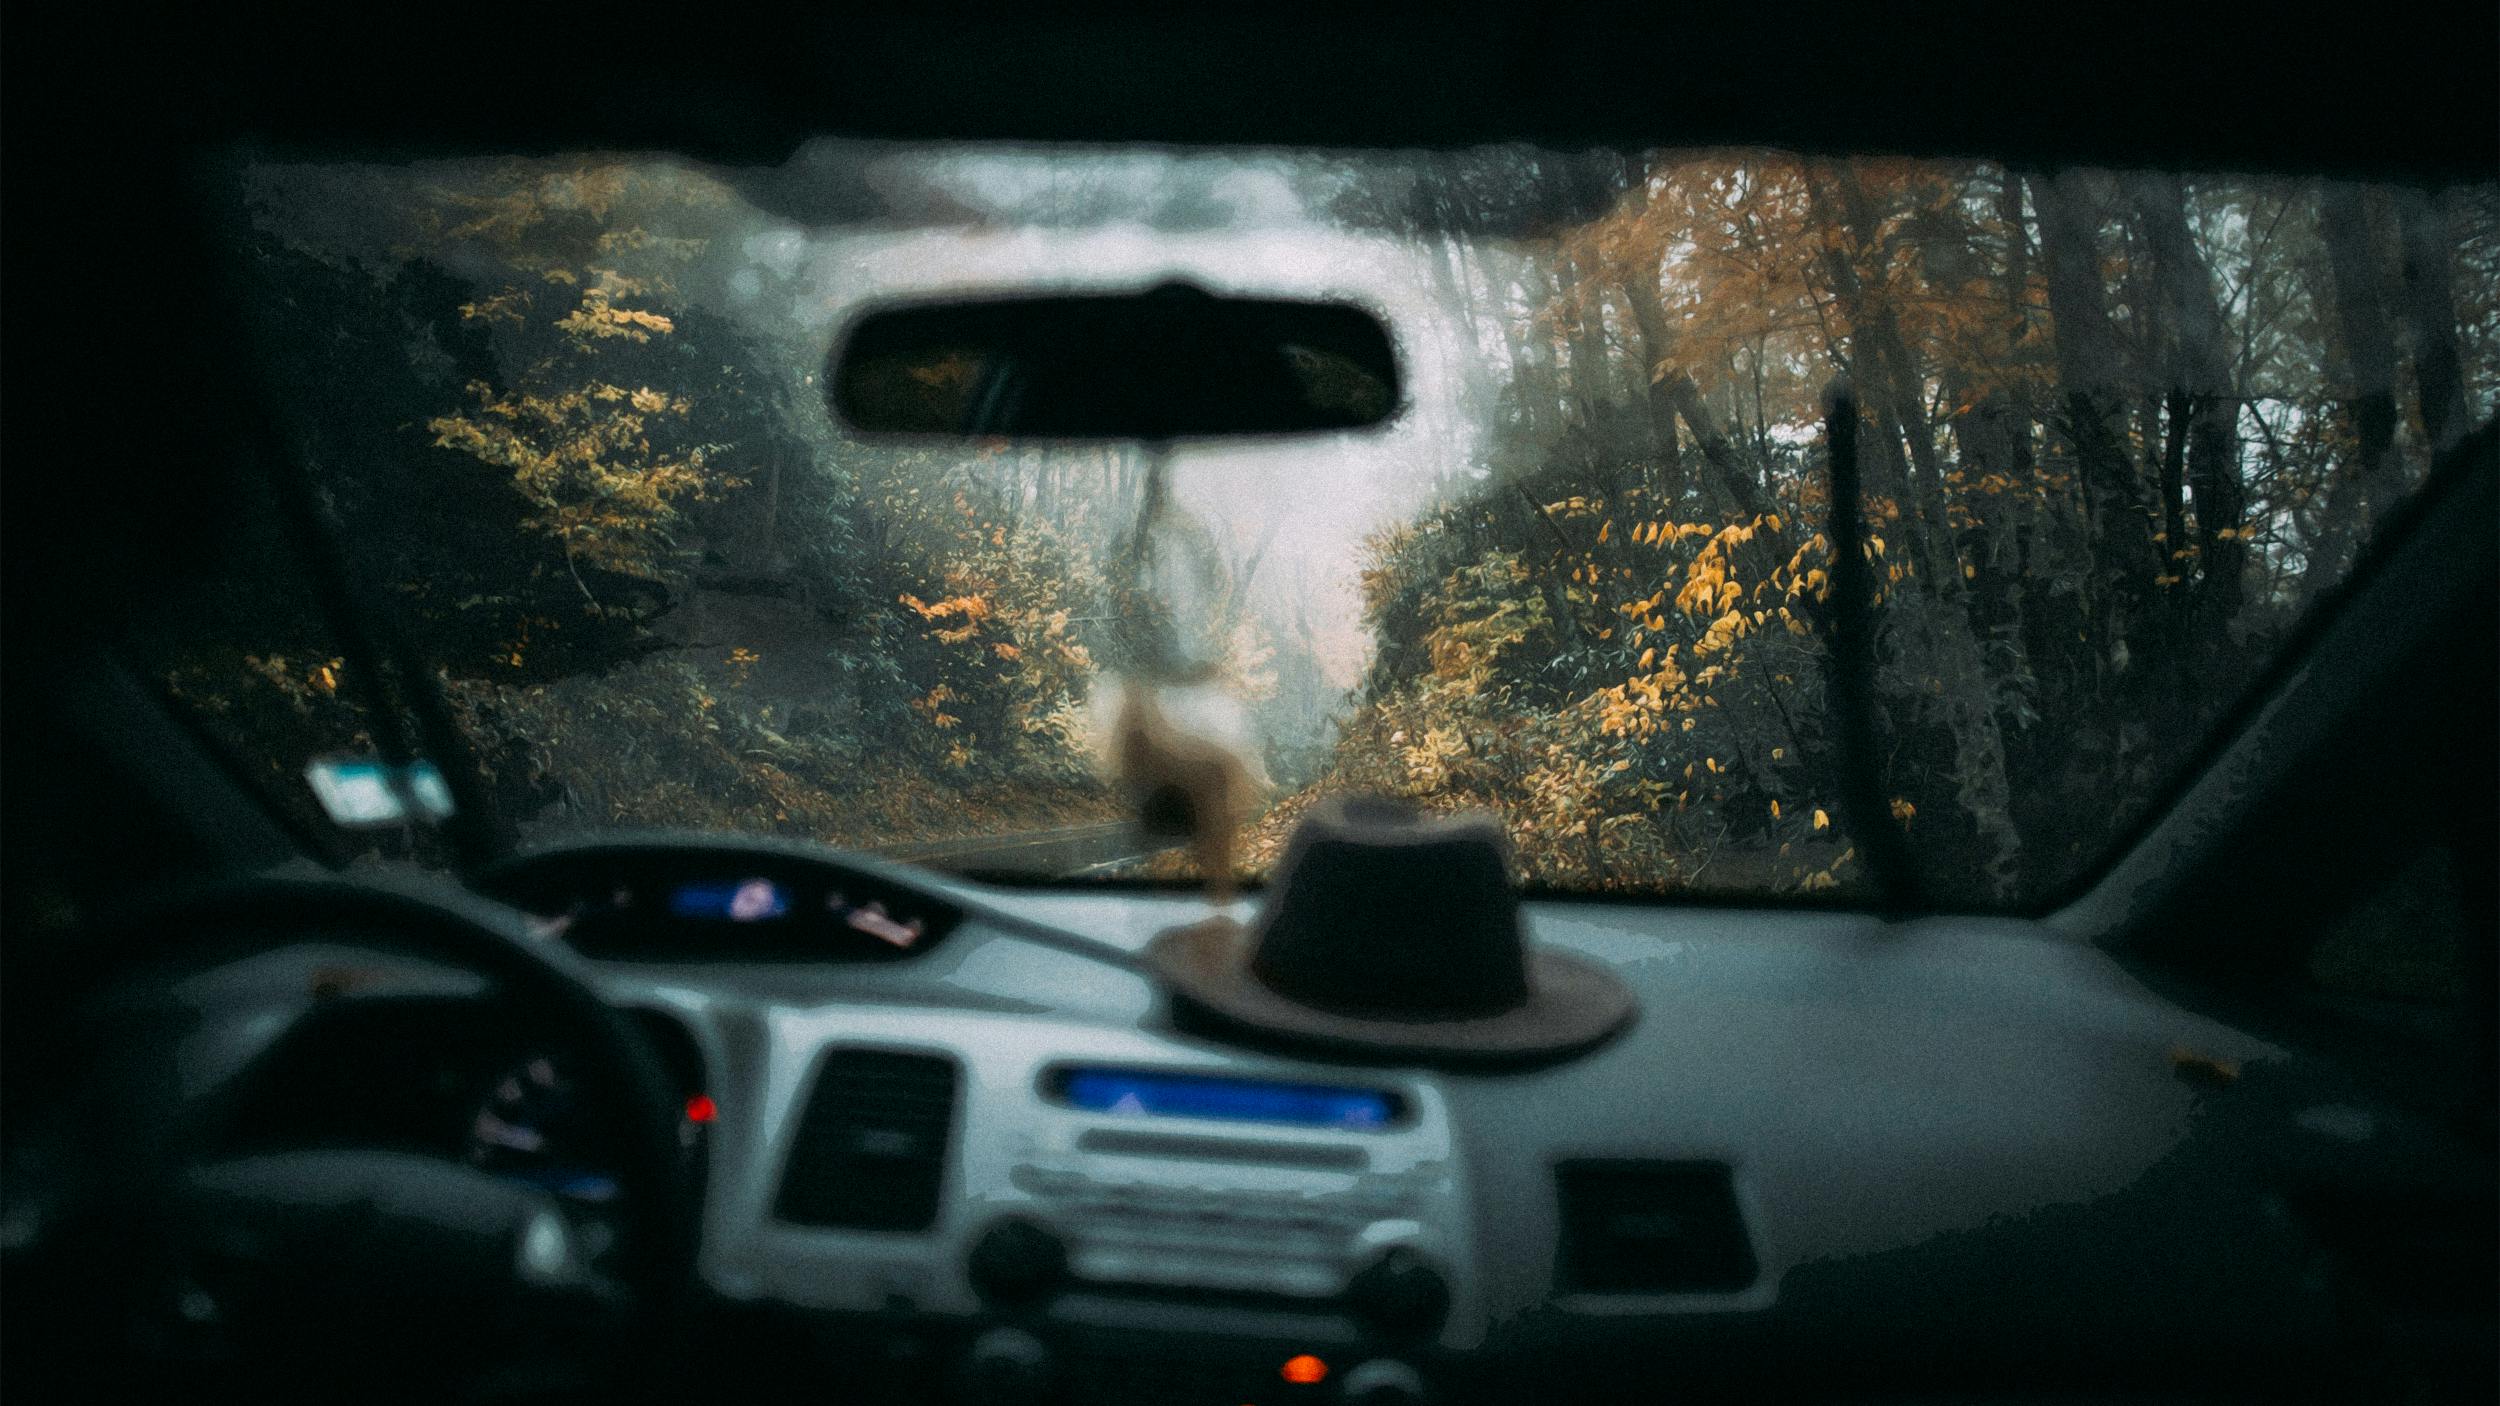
pixel 2201 371
pixel 1993 437
pixel 1584 337
pixel 1946 635
pixel 2431 317
pixel 772 507
pixel 1728 471
pixel 1905 385
pixel 1890 385
pixel 1869 347
pixel 2120 548
pixel 2174 536
pixel 1669 483
pixel 1676 396
pixel 1990 434
pixel 2016 414
pixel 2365 357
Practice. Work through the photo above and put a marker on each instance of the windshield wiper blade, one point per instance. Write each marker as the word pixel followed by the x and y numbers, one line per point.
pixel 380 662
pixel 394 678
pixel 1850 678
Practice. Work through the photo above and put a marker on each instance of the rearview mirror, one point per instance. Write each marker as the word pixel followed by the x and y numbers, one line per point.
pixel 1173 362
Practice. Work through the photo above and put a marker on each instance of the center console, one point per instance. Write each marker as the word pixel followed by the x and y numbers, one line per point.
pixel 1043 1181
pixel 1238 1184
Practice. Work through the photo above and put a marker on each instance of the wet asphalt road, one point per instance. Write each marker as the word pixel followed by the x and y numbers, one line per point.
pixel 1063 851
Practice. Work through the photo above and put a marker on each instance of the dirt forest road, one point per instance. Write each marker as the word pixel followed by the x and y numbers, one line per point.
pixel 1065 851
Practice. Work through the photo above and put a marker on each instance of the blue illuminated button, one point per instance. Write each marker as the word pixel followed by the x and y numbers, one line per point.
pixel 735 900
pixel 1144 1094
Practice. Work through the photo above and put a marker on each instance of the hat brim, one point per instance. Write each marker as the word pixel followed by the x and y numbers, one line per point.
pixel 1572 1005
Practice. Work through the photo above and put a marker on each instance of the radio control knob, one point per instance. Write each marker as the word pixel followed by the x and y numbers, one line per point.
pixel 1383 1381
pixel 1004 1367
pixel 1400 1293
pixel 1017 1259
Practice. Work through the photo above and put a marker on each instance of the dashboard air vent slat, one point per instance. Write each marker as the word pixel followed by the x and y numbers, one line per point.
pixel 1644 1227
pixel 870 1150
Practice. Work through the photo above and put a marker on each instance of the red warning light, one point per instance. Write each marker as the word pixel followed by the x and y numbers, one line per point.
pixel 1303 1370
pixel 701 1109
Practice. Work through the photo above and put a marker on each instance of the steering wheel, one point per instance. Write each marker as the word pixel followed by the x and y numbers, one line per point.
pixel 420 1232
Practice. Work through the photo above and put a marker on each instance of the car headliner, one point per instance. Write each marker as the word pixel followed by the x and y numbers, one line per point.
pixel 2233 86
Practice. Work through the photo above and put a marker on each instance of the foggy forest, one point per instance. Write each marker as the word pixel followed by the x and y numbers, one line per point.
pixel 2121 432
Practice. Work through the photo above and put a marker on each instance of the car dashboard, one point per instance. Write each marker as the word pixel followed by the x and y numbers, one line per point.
pixel 992 1161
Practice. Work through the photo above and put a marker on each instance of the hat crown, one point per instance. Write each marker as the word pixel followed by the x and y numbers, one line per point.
pixel 1381 912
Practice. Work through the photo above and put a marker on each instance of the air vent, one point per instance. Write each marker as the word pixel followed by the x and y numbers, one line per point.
pixel 1632 1227
pixel 870 1153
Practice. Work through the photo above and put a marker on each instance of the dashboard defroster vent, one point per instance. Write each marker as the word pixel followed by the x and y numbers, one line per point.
pixel 870 1150
pixel 1641 1227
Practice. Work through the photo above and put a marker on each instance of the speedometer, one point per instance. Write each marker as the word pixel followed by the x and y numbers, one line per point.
pixel 531 1125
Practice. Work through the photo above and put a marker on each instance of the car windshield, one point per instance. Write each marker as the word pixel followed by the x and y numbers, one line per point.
pixel 2121 430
